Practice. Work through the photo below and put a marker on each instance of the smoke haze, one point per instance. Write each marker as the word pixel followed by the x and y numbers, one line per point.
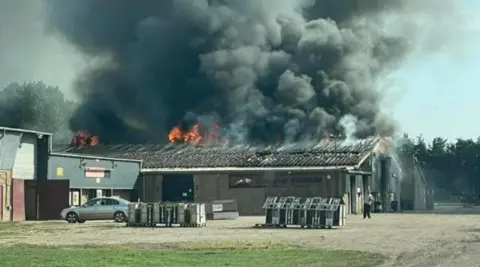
pixel 27 54
pixel 265 71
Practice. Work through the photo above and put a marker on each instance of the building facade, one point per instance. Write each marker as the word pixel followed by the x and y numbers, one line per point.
pixel 250 187
pixel 95 176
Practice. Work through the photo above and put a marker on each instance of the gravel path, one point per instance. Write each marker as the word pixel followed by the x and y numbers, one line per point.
pixel 407 239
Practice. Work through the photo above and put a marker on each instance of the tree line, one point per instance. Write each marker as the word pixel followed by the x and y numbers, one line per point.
pixel 451 166
pixel 36 106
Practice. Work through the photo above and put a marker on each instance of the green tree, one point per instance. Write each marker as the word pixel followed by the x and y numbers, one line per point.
pixel 453 166
pixel 36 106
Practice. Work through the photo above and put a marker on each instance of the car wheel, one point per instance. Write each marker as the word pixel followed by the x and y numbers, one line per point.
pixel 81 221
pixel 72 217
pixel 119 217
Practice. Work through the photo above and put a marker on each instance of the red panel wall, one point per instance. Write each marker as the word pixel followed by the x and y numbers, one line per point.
pixel 18 200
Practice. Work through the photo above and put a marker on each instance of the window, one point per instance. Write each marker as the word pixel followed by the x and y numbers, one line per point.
pixel 92 202
pixel 110 202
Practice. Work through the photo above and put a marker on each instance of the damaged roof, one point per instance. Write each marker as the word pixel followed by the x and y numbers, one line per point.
pixel 333 153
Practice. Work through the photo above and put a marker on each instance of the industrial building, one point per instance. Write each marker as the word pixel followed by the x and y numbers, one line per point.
pixel 328 169
pixel 95 176
pixel 36 183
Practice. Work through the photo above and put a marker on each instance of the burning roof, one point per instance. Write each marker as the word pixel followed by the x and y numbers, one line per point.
pixel 84 139
pixel 187 156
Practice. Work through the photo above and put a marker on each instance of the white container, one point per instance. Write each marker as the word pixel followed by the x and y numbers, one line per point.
pixel 329 218
pixel 343 215
pixel 131 212
pixel 143 213
pixel 276 216
pixel 181 212
pixel 156 213
pixel 197 214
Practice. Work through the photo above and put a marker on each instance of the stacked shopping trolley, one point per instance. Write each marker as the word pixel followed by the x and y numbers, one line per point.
pixel 166 215
pixel 314 212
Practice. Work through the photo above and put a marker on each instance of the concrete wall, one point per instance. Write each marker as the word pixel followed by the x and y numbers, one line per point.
pixel 123 174
pixel 26 158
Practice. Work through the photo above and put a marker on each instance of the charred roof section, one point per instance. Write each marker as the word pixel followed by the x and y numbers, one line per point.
pixel 323 154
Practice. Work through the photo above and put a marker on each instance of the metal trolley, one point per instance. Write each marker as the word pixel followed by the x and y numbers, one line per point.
pixel 166 215
pixel 314 212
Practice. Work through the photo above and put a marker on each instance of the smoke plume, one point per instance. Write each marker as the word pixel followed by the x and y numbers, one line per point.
pixel 264 70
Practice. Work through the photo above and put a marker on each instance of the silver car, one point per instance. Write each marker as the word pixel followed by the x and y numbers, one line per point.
pixel 101 208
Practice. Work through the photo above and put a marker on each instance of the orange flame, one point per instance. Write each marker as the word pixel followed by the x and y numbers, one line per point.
pixel 84 138
pixel 193 136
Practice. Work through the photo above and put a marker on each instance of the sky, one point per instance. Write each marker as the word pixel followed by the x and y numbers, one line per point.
pixel 440 93
pixel 26 54
pixel 431 95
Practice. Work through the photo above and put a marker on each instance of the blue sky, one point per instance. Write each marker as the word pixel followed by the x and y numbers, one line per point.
pixel 440 93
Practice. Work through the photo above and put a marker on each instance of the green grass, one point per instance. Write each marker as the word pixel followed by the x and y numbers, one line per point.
pixel 207 255
pixel 8 229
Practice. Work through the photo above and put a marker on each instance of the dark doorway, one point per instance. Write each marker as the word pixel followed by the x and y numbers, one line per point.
pixel 52 197
pixel 30 200
pixel 178 188
pixel 107 192
pixel 353 194
pixel 384 177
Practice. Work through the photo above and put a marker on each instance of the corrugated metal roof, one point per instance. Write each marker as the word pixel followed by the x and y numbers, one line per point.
pixel 325 153
pixel 22 131
pixel 8 149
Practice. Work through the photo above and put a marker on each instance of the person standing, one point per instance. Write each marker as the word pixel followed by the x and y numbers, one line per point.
pixel 367 206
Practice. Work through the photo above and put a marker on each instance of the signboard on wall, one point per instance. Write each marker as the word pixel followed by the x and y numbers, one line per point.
pixel 306 180
pixel 94 172
pixel 60 171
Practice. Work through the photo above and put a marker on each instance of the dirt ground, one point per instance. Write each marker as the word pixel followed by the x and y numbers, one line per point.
pixel 407 239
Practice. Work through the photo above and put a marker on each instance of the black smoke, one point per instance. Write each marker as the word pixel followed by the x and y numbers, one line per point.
pixel 265 70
